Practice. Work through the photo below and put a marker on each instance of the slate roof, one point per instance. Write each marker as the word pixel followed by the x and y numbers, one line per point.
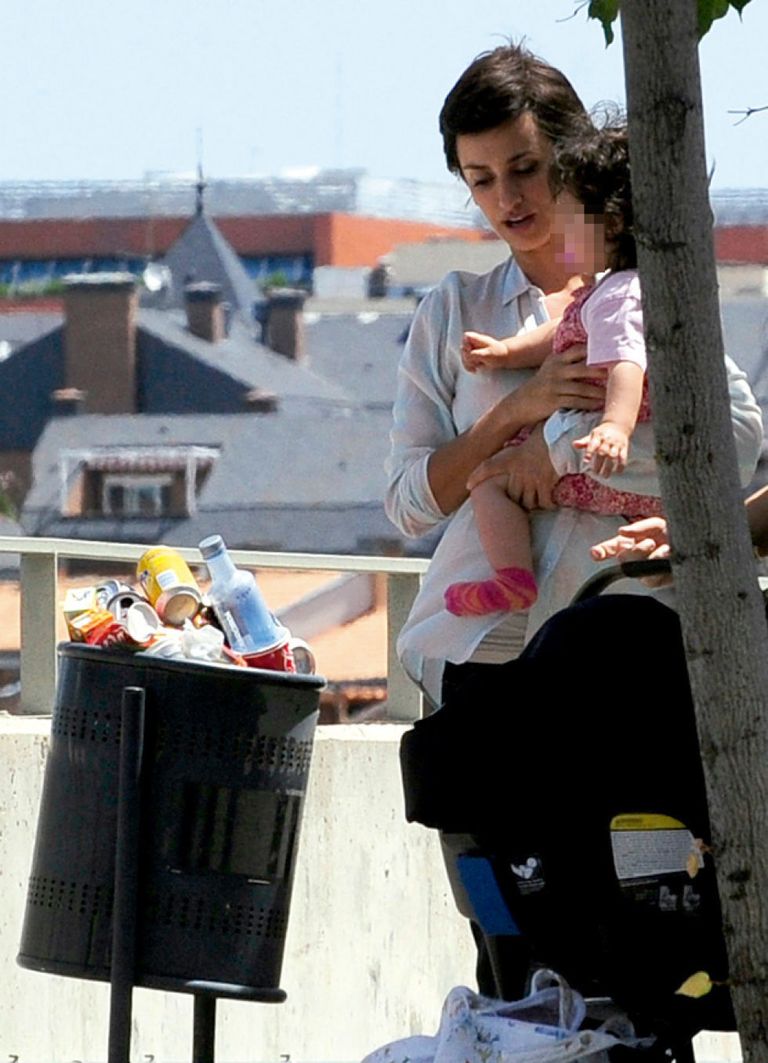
pixel 176 373
pixel 308 476
pixel 239 356
pixel 300 479
pixel 22 327
pixel 202 254
pixel 359 351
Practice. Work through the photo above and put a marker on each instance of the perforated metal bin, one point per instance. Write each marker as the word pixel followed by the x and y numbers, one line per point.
pixel 226 756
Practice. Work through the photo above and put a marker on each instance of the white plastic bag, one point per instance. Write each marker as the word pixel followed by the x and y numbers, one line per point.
pixel 544 1027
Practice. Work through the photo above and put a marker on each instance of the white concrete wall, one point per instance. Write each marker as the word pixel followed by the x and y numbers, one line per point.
pixel 374 942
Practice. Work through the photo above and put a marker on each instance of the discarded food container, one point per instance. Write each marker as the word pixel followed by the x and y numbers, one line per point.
pixel 280 656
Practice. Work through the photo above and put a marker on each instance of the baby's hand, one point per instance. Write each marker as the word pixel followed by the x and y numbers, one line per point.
pixel 606 448
pixel 479 351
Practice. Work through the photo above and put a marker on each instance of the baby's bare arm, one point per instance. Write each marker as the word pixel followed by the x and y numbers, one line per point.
pixel 607 446
pixel 526 351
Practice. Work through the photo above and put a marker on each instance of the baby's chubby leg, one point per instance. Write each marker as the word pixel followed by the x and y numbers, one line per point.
pixel 505 535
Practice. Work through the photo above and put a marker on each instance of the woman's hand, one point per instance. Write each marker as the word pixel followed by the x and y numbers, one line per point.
pixel 528 469
pixel 563 380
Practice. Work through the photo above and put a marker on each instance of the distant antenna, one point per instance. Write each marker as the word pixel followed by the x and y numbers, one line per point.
pixel 200 186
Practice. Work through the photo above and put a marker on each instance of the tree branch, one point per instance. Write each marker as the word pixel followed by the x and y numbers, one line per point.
pixel 747 113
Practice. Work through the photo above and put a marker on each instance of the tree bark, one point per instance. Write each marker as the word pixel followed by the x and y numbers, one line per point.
pixel 719 603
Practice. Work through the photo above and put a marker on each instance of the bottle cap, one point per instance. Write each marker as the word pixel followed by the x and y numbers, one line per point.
pixel 214 544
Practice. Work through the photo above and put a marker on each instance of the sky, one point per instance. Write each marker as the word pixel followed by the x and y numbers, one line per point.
pixel 117 90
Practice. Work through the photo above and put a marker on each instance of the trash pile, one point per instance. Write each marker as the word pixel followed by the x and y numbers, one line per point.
pixel 167 615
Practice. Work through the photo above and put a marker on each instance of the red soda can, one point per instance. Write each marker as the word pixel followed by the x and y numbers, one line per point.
pixel 112 633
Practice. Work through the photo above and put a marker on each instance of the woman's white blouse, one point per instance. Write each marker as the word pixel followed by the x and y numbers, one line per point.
pixel 437 399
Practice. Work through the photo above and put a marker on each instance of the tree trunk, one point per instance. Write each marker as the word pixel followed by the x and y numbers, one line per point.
pixel 720 606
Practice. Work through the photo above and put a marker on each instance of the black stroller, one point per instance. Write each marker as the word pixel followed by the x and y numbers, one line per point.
pixel 576 838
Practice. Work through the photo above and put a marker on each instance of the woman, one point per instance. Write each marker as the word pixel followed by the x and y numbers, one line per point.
pixel 498 124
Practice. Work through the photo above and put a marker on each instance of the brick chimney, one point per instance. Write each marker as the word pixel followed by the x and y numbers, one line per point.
pixel 100 340
pixel 285 322
pixel 205 311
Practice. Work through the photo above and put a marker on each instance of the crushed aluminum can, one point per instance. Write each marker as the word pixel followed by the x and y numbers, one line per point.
pixel 122 600
pixel 107 589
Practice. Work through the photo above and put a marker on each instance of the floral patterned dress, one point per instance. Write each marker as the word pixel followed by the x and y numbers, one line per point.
pixel 579 490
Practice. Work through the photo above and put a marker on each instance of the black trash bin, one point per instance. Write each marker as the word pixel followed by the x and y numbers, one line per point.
pixel 226 755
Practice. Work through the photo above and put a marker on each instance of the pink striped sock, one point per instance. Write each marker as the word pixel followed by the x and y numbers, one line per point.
pixel 510 591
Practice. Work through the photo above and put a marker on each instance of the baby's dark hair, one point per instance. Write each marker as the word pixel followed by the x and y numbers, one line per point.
pixel 594 167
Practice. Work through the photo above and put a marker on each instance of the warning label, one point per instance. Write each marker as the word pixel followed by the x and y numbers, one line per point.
pixel 656 850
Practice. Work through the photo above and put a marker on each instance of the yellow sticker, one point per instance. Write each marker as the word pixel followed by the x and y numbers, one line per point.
pixel 644 821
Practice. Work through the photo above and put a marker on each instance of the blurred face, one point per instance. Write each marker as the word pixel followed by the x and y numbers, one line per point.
pixel 507 172
pixel 578 238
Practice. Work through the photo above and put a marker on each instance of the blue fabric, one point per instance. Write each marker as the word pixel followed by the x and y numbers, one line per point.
pixel 485 897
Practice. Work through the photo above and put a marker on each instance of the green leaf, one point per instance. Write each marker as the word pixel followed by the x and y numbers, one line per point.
pixel 710 10
pixel 606 12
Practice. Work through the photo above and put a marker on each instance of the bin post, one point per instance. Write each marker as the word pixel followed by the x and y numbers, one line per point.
pixel 124 912
pixel 204 1028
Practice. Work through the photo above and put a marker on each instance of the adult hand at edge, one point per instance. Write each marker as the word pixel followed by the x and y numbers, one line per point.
pixel 644 540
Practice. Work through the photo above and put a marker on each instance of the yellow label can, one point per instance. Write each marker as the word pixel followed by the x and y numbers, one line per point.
pixel 168 584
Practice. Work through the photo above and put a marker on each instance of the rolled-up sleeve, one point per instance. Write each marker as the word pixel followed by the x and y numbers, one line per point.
pixel 747 422
pixel 422 421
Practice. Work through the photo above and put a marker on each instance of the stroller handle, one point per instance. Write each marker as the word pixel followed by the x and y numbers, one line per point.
pixel 606 576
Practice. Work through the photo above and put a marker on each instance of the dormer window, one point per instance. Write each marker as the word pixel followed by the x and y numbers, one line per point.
pixel 137 495
pixel 134 482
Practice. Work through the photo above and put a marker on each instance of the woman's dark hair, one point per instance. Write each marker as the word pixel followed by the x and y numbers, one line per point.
pixel 594 167
pixel 503 84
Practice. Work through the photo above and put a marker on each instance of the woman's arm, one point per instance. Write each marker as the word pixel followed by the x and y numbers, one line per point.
pixel 430 460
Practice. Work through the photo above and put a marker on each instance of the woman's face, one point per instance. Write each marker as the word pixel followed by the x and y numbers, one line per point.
pixel 507 172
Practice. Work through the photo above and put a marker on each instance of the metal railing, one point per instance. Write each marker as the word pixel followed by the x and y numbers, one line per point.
pixel 39 574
